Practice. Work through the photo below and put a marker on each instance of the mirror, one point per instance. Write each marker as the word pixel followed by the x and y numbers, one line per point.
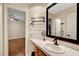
pixel 62 21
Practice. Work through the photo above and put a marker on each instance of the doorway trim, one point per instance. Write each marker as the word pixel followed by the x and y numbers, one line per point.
pixel 6 29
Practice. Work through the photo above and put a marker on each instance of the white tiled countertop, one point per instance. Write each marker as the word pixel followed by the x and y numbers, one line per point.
pixel 40 44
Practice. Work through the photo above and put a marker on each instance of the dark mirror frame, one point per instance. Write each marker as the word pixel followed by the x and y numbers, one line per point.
pixel 61 38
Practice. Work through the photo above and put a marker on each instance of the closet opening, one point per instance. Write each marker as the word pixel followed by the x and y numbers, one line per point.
pixel 16 32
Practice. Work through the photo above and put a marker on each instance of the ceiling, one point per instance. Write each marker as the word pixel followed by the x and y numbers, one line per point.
pixel 17 10
pixel 60 7
pixel 23 5
pixel 16 14
pixel 38 4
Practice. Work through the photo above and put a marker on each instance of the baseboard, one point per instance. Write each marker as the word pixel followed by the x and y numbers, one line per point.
pixel 16 38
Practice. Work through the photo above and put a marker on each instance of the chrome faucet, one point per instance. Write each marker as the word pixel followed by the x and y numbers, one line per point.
pixel 55 41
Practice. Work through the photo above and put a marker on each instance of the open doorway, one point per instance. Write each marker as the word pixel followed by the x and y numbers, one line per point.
pixel 16 32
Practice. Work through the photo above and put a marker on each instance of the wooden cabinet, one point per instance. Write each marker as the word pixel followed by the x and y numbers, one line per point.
pixel 38 52
pixel 41 53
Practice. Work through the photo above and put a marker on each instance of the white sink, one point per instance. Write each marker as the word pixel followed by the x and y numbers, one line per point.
pixel 54 48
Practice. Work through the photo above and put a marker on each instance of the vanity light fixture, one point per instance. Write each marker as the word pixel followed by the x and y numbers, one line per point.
pixel 11 19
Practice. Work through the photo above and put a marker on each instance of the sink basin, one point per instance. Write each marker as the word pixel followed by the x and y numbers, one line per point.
pixel 54 48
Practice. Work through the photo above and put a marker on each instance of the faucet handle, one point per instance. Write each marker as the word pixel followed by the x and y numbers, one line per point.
pixel 55 41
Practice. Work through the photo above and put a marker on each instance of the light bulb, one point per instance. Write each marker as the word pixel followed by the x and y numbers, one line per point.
pixel 11 19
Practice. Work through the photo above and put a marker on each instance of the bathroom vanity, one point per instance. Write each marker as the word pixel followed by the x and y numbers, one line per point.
pixel 40 49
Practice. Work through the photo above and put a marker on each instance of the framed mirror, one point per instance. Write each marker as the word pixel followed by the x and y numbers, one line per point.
pixel 62 21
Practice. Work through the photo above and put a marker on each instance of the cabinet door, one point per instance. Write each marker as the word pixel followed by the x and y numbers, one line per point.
pixel 41 53
pixel 36 51
pixel 71 25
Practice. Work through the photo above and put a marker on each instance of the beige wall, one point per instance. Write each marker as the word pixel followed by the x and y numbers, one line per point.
pixel 1 30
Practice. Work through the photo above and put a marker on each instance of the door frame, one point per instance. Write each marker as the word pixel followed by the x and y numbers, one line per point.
pixel 6 29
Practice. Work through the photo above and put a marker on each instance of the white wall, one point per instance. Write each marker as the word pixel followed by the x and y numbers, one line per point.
pixel 1 30
pixel 16 29
pixel 36 30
